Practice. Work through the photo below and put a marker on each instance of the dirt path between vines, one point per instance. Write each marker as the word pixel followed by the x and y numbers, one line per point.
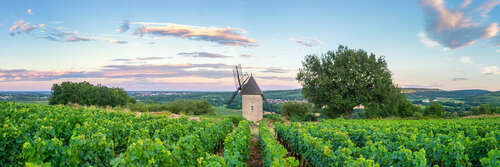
pixel 255 159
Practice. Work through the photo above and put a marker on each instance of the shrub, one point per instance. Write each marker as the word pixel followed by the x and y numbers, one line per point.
pixel 296 111
pixel 484 109
pixel 434 109
pixel 475 111
pixel 235 119
pixel 310 117
pixel 272 117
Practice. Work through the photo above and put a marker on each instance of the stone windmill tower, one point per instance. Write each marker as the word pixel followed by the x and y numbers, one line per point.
pixel 251 95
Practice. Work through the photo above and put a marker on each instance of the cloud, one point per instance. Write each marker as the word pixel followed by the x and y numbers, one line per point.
pixel 29 11
pixel 307 42
pixel 150 58
pixel 459 79
pixel 465 3
pixel 121 60
pixel 203 55
pixel 277 78
pixel 115 41
pixel 78 39
pixel 465 59
pixel 59 34
pixel 491 70
pixel 498 51
pixel 275 70
pixel 141 59
pixel 125 26
pixel 222 36
pixel 487 7
pixel 426 41
pixel 246 55
pixel 22 26
pixel 123 71
pixel 453 28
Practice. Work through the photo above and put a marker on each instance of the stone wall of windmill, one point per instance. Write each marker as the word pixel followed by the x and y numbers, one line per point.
pixel 252 107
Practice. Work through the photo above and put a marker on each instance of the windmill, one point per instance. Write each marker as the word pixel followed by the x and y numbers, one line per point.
pixel 251 95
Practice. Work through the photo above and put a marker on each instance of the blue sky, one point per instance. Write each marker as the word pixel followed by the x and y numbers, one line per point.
pixel 177 45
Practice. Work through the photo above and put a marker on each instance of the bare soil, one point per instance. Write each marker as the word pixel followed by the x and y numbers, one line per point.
pixel 255 159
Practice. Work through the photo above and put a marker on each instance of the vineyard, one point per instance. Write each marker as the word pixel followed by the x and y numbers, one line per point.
pixel 43 135
pixel 457 142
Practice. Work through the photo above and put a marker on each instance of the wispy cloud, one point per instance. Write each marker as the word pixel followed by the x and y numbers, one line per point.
pixel 29 11
pixel 275 70
pixel 491 70
pixel 22 26
pixel 465 59
pixel 150 58
pixel 203 55
pixel 453 28
pixel 465 3
pixel 115 41
pixel 78 39
pixel 224 36
pixel 487 7
pixel 246 55
pixel 125 26
pixel 122 60
pixel 426 41
pixel 123 71
pixel 307 42
pixel 140 59
pixel 59 34
pixel 277 78
pixel 459 79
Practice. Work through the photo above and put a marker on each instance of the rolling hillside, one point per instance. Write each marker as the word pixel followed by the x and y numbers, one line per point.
pixel 485 98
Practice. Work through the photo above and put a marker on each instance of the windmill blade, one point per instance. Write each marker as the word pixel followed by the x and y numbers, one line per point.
pixel 236 84
pixel 238 75
pixel 233 96
pixel 244 81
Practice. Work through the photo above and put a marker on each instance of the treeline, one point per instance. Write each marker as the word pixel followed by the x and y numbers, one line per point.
pixel 84 93
pixel 484 109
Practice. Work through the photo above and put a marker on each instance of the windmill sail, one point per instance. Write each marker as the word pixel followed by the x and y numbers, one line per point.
pixel 240 79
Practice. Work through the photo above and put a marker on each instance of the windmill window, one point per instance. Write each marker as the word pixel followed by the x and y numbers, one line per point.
pixel 251 108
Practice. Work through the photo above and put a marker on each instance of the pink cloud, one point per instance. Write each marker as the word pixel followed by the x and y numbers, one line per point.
pixel 487 7
pixel 453 28
pixel 223 36
pixel 78 39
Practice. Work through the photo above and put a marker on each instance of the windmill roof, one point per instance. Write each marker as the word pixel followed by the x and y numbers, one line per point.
pixel 251 88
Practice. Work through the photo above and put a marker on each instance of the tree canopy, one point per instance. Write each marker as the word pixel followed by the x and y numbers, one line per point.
pixel 84 93
pixel 339 80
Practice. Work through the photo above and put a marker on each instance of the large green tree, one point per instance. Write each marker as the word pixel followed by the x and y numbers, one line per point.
pixel 85 93
pixel 342 79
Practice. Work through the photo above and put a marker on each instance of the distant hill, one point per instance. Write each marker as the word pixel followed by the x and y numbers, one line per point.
pixel 485 98
pixel 437 93
pixel 471 97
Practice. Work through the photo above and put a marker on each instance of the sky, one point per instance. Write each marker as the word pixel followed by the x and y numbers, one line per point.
pixel 193 45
